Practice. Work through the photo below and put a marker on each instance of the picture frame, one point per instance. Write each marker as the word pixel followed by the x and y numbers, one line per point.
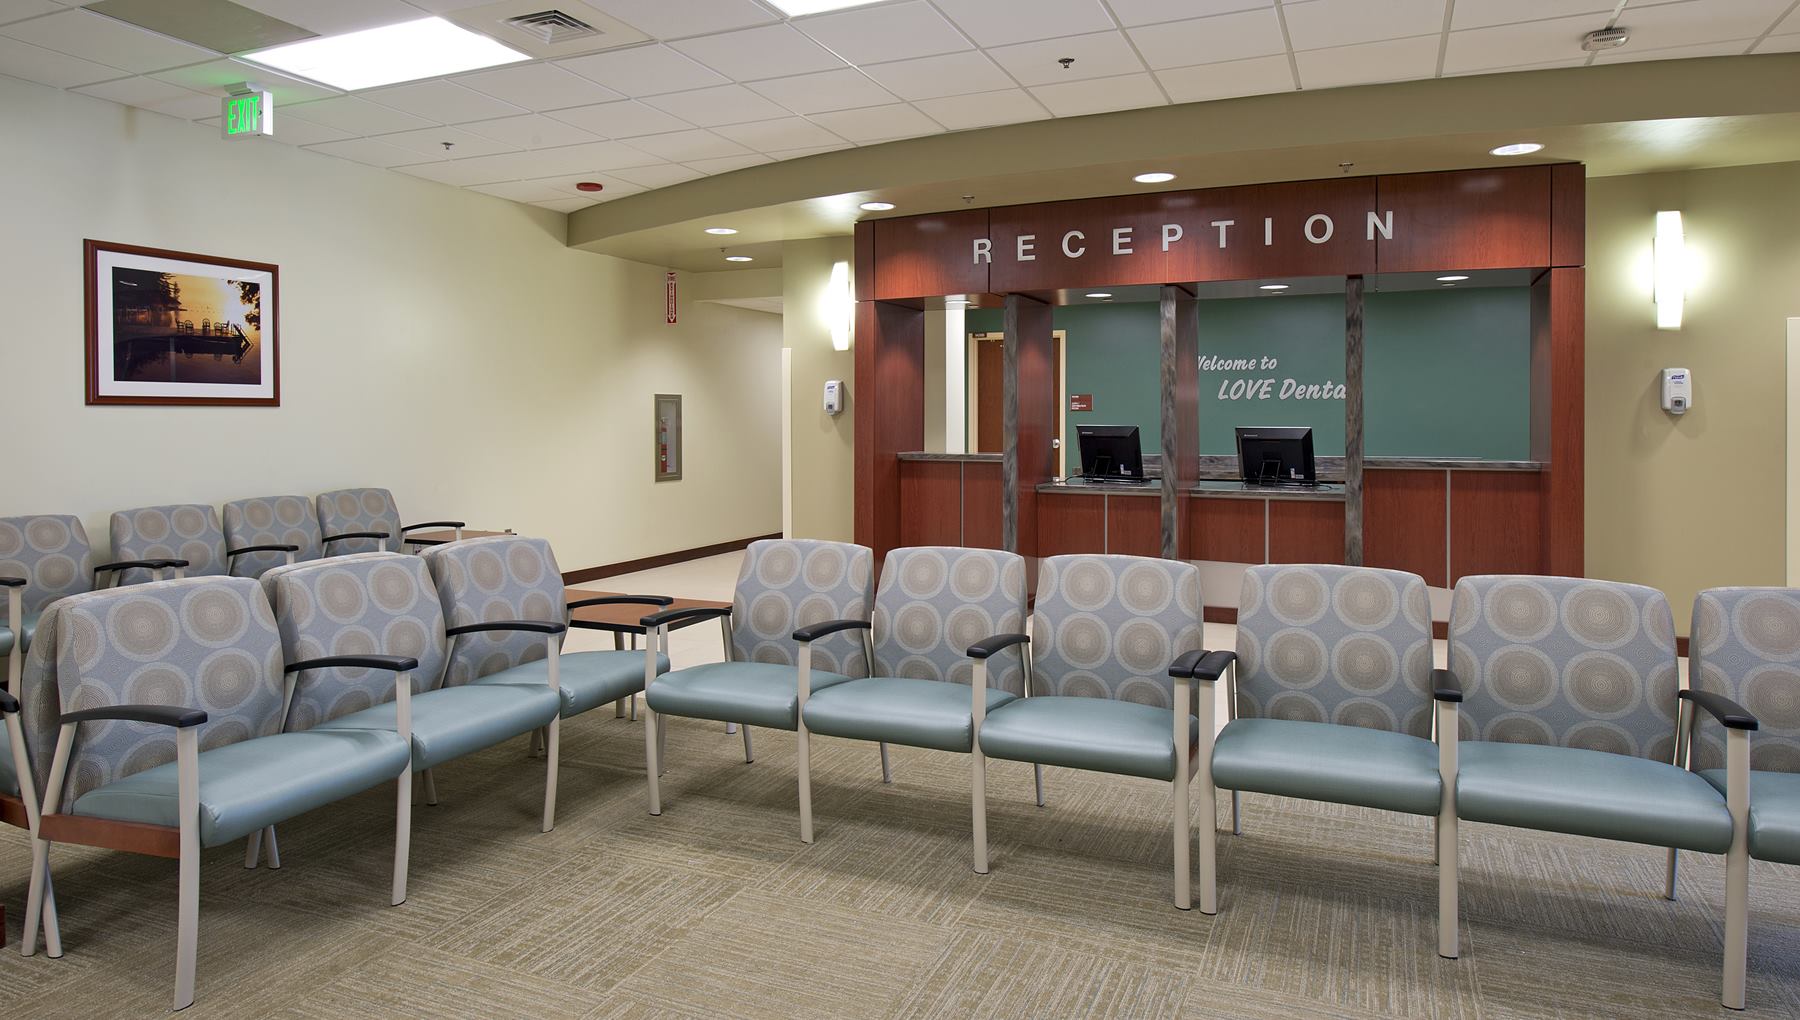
pixel 667 433
pixel 171 327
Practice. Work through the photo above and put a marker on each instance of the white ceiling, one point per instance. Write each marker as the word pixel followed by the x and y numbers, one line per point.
pixel 727 84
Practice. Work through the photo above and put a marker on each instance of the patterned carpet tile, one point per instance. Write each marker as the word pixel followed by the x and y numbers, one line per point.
pixel 991 975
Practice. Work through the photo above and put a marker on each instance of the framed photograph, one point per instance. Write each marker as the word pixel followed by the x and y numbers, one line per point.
pixel 668 437
pixel 173 327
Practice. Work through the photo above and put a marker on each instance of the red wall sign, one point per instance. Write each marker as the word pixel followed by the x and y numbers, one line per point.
pixel 1081 401
pixel 669 279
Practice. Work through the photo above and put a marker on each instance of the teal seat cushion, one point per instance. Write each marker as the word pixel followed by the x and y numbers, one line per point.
pixel 255 783
pixel 1590 793
pixel 588 679
pixel 27 624
pixel 1774 813
pixel 1329 762
pixel 754 693
pixel 453 721
pixel 9 779
pixel 900 710
pixel 1120 737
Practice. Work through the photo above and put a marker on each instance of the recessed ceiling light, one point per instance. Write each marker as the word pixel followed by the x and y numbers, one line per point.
pixel 795 8
pixel 1451 279
pixel 1158 177
pixel 720 230
pixel 877 206
pixel 739 258
pixel 1515 149
pixel 1273 286
pixel 1100 294
pixel 408 51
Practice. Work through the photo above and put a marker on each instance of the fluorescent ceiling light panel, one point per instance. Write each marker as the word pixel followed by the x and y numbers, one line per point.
pixel 408 51
pixel 795 8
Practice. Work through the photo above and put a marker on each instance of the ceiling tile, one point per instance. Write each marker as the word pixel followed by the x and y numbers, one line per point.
pixel 367 150
pixel 1482 13
pixel 1390 60
pixel 614 187
pixel 1699 21
pixel 680 146
pixel 348 113
pixel 48 67
pixel 331 17
pixel 1226 79
pixel 992 24
pixel 771 51
pixel 448 172
pixel 1149 12
pixel 642 70
pixel 983 109
pixel 725 104
pixel 1316 24
pixel 448 6
pixel 522 191
pixel 870 35
pixel 568 159
pixel 103 40
pixel 950 74
pixel 785 133
pixel 19 10
pixel 441 101
pixel 294 131
pixel 1209 40
pixel 537 86
pixel 658 176
pixel 664 20
pixel 787 154
pixel 1629 54
pixel 1101 55
pixel 217 77
pixel 622 119
pixel 823 92
pixel 532 131
pixel 1099 95
pixel 1533 42
pixel 142 92
pixel 879 123
pixel 1788 43
pixel 1540 66
pixel 726 164
pixel 565 205
pixel 430 142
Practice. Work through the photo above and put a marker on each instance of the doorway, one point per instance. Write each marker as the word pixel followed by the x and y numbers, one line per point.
pixel 987 398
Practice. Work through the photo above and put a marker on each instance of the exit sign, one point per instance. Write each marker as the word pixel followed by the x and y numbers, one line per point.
pixel 248 113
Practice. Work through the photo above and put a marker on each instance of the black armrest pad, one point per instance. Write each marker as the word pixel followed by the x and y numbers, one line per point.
pixel 328 539
pixel 12 582
pixel 1445 686
pixel 1731 714
pixel 162 715
pixel 139 565
pixel 622 600
pixel 532 626
pixel 677 615
pixel 8 703
pixel 263 548
pixel 434 524
pixel 819 630
pixel 392 663
pixel 989 645
pixel 1208 666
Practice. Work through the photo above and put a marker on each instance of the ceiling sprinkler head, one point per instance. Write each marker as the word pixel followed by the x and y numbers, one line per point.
pixel 1066 62
pixel 1605 39
pixel 447 145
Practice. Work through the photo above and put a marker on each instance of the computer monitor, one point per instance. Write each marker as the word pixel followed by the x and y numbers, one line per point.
pixel 1276 455
pixel 1110 452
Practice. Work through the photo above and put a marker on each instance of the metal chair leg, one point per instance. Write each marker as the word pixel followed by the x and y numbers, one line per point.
pixel 749 755
pixel 1037 776
pixel 887 767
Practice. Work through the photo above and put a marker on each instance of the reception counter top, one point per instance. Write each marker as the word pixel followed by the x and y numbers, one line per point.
pixel 1208 488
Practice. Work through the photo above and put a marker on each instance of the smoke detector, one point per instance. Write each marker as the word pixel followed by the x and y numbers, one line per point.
pixel 1605 39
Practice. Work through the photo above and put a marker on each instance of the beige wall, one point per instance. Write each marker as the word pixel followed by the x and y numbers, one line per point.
pixel 1700 500
pixel 435 341
pixel 823 458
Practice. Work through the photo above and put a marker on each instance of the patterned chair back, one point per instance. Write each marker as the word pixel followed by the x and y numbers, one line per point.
pixel 1745 644
pixel 368 604
pixel 51 552
pixel 506 577
pixel 347 510
pixel 933 603
pixel 1565 661
pixel 186 531
pixel 204 642
pixel 1337 644
pixel 788 583
pixel 270 520
pixel 1110 626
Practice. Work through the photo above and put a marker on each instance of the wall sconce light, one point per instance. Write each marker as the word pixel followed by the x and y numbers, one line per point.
pixel 837 307
pixel 1670 256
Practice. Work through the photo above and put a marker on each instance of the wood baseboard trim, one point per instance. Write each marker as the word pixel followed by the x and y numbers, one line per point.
pixel 660 560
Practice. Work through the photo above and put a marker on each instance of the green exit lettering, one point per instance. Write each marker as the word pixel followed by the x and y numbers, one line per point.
pixel 246 115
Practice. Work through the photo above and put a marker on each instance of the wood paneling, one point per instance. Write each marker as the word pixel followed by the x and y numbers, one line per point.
pixel 990 396
pixel 929 255
pixel 1031 413
pixel 12 812
pixel 1228 530
pixel 1404 523
pixel 1564 506
pixel 887 401
pixel 863 271
pixel 930 502
pixel 1306 531
pixel 1134 525
pixel 1568 214
pixel 1071 522
pixel 981 506
pixel 1468 219
pixel 1495 523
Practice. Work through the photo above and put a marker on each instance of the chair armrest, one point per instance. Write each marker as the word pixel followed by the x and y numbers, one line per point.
pixel 622 600
pixel 392 663
pixel 1729 713
pixel 532 626
pixel 404 528
pixel 1203 665
pixel 819 630
pixel 328 539
pixel 678 615
pixel 12 582
pixel 1445 686
pixel 989 645
pixel 161 715
pixel 8 703
pixel 138 565
pixel 263 548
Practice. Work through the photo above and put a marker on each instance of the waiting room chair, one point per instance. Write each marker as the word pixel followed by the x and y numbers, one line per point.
pixel 1115 640
pixel 265 532
pixel 200 657
pixel 187 536
pixel 366 520
pixel 1333 685
pixel 1569 720
pixel 932 604
pixel 784 585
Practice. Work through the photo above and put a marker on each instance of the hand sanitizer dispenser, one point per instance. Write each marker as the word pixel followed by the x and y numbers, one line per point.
pixel 834 397
pixel 1677 390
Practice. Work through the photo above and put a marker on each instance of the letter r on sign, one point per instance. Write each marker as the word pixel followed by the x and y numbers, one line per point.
pixel 984 252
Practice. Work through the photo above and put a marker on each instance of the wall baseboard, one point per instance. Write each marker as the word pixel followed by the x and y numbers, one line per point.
pixel 586 574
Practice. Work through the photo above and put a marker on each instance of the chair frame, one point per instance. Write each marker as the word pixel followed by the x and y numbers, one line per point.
pixel 1738 724
pixel 22 811
pixel 552 733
